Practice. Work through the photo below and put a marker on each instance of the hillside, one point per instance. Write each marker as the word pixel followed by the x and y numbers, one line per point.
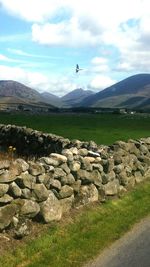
pixel 15 92
pixel 75 97
pixel 132 92
pixel 52 99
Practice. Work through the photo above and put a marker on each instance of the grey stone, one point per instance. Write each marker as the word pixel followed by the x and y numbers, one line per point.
pixel 5 199
pixel 65 168
pixel 22 164
pixel 3 189
pixel 26 180
pixel 111 188
pixel 86 165
pixel 6 215
pixel 15 190
pixel 21 231
pixel 55 184
pixel 29 209
pixel 96 177
pixel 93 154
pixel 7 176
pixel 26 193
pixel 58 157
pixel 66 191
pixel 49 161
pixel 76 186
pixel 86 195
pixel 51 209
pixel 74 166
pixel 83 152
pixel 58 173
pixel 40 192
pixel 66 204
pixel 84 176
pixel 36 168
pixel 97 166
pixel 68 180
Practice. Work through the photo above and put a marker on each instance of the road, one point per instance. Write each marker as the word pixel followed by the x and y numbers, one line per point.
pixel 132 250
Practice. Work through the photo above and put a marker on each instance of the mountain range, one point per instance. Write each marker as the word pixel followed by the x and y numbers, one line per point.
pixel 132 92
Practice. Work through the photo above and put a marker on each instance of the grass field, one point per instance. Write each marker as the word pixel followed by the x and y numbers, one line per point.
pixel 102 128
pixel 81 237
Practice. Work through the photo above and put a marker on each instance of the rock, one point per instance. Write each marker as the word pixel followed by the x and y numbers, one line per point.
pixel 5 199
pixel 86 165
pixel 51 209
pixel 58 157
pixel 66 204
pixel 22 231
pixel 90 159
pixel 68 154
pixel 36 168
pixel 68 180
pixel 97 166
pixel 58 173
pixel 26 193
pixel 74 166
pixel 66 191
pixel 118 168
pixel 7 176
pixel 65 168
pixel 111 188
pixel 3 189
pixel 76 186
pixel 123 178
pixel 15 190
pixel 40 192
pixel 29 209
pixel 26 180
pixel 86 195
pixel 6 215
pixel 83 152
pixel 55 184
pixel 4 164
pixel 49 161
pixel 138 177
pixel 84 176
pixel 74 150
pixel 97 180
pixel 93 154
pixel 24 166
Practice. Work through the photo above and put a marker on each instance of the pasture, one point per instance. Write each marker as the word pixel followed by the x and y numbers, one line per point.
pixel 101 128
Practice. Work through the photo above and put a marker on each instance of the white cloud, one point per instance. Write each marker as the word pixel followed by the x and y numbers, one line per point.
pixel 36 80
pixel 100 82
pixel 66 33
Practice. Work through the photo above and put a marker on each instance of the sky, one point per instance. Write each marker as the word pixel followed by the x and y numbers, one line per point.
pixel 41 41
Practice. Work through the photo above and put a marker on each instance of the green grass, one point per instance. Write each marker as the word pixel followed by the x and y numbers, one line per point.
pixel 102 128
pixel 75 241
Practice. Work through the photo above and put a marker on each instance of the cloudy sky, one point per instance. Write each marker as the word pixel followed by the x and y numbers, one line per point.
pixel 41 41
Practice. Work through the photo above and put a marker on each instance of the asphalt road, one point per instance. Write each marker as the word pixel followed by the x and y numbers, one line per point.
pixel 132 250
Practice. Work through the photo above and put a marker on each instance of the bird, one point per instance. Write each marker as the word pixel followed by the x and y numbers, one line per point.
pixel 77 68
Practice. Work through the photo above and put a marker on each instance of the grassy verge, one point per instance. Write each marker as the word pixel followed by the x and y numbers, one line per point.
pixel 83 236
pixel 102 128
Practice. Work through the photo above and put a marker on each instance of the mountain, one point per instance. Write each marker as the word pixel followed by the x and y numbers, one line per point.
pixel 52 99
pixel 18 93
pixel 132 92
pixel 75 97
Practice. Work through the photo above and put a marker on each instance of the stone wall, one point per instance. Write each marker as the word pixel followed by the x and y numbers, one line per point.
pixel 80 173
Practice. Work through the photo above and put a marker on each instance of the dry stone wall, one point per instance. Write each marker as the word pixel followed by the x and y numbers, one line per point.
pixel 68 175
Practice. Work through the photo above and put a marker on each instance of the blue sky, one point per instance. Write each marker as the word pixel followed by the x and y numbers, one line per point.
pixel 41 41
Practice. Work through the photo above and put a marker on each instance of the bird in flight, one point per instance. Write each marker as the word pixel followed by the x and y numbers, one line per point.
pixel 77 68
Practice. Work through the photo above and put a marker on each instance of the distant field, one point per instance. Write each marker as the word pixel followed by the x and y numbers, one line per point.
pixel 102 128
